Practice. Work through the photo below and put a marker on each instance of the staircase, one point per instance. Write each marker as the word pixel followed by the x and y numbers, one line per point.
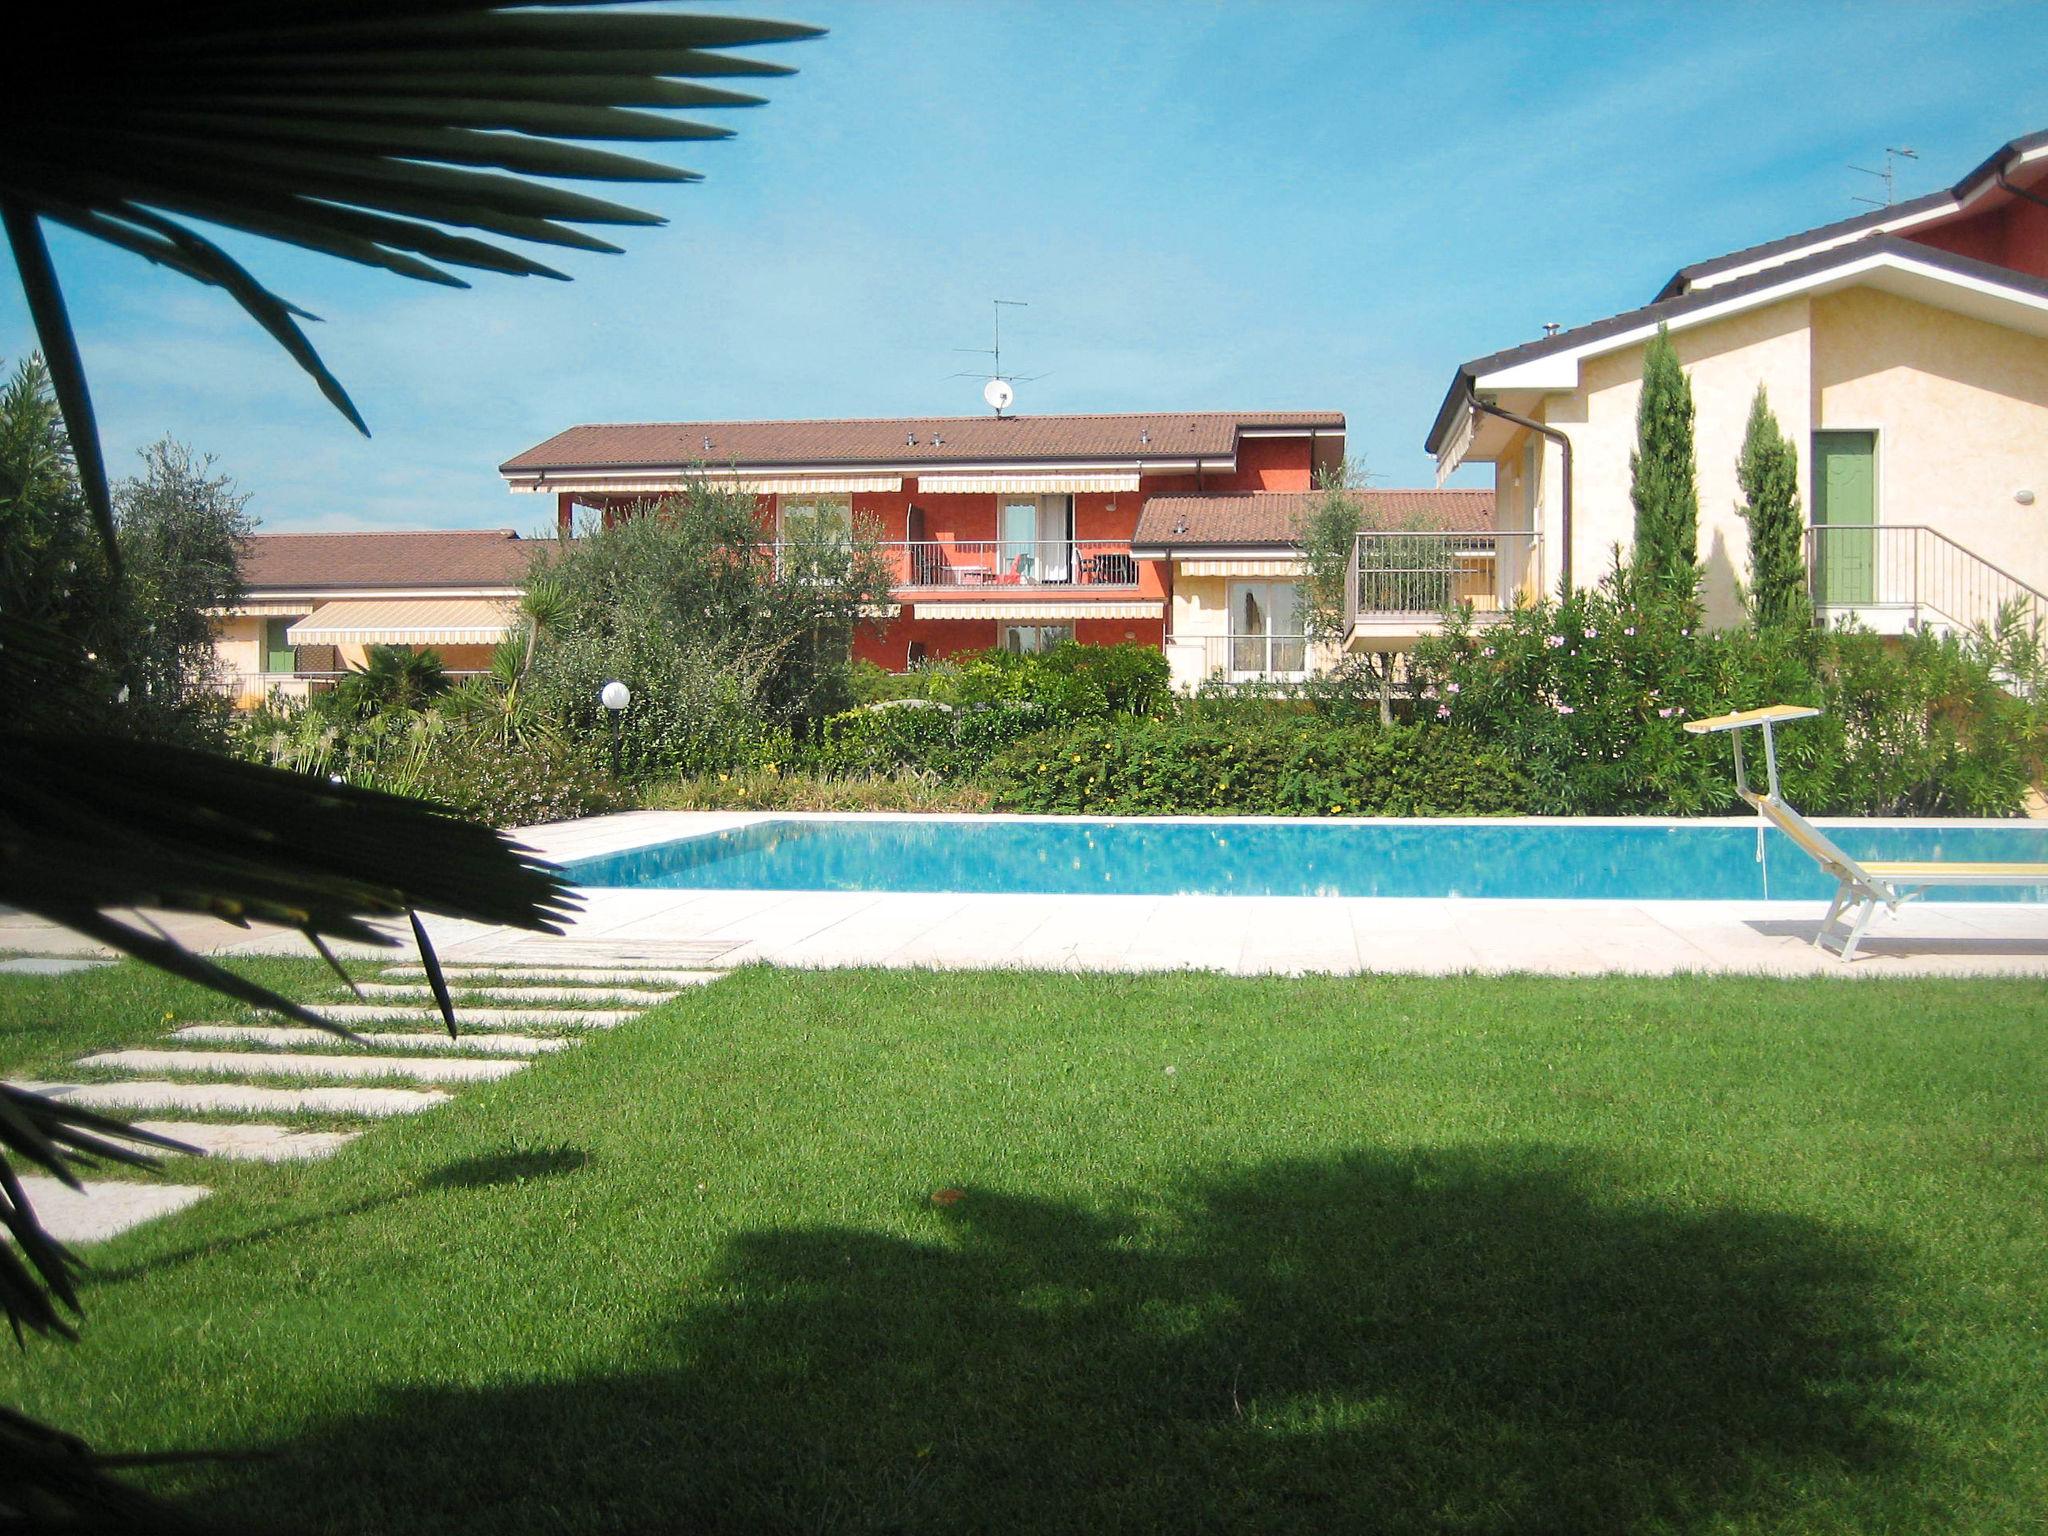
pixel 1898 578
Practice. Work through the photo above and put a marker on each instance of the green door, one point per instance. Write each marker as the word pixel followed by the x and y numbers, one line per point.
pixel 1845 510
pixel 278 656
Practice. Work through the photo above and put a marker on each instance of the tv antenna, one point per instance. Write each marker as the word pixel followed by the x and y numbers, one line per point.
pixel 1888 175
pixel 998 387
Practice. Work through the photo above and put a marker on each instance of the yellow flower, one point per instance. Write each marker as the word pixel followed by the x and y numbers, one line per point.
pixel 1336 810
pixel 773 769
pixel 1077 757
pixel 725 778
pixel 1043 766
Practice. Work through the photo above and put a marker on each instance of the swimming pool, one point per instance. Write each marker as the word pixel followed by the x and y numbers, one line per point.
pixel 1624 861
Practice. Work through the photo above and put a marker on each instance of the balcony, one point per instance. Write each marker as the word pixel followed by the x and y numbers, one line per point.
pixel 1240 658
pixel 1401 585
pixel 249 689
pixel 992 566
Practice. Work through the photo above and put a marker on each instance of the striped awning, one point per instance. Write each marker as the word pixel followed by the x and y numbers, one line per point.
pixel 402 621
pixel 261 610
pixel 1023 485
pixel 1452 454
pixel 1044 610
pixel 1250 565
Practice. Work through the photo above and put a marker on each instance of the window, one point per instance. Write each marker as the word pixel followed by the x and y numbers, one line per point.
pixel 1030 639
pixel 1266 638
pixel 824 517
pixel 1037 538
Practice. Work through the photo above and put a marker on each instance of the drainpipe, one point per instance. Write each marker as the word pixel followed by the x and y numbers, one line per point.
pixel 1565 444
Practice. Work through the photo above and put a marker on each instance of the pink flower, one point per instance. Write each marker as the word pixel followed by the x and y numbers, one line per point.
pixel 1553 641
pixel 1592 633
pixel 1443 711
pixel 1666 713
pixel 1630 630
pixel 1565 709
pixel 1450 688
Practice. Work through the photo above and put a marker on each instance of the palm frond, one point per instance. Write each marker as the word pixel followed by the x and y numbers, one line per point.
pixel 364 129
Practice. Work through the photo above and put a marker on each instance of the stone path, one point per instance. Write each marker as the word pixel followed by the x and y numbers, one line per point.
pixel 236 1073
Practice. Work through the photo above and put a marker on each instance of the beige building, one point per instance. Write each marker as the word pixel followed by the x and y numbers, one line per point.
pixel 1905 353
pixel 315 602
pixel 1234 573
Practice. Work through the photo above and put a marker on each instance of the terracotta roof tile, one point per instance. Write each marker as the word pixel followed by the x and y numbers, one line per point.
pixel 908 440
pixel 448 557
pixel 1274 517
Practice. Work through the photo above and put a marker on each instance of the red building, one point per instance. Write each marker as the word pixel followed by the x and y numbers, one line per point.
pixel 1002 530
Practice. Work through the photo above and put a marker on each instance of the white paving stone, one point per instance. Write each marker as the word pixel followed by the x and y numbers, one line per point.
pixel 285 1036
pixel 421 1069
pixel 251 1143
pixel 106 1208
pixel 563 973
pixel 244 1098
pixel 422 993
pixel 480 1018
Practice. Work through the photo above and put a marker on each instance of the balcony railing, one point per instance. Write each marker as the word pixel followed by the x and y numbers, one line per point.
pixel 1914 575
pixel 1254 658
pixel 295 685
pixel 1036 564
pixel 1413 574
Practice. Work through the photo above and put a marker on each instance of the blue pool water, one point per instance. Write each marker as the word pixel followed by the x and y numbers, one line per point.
pixel 1648 861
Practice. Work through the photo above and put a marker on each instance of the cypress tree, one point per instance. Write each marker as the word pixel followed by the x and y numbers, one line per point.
pixel 1662 481
pixel 1768 472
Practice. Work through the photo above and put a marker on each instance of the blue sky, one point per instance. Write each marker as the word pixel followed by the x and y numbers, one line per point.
pixel 1206 206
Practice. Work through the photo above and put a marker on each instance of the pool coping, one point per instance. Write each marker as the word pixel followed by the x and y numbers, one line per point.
pixel 1240 935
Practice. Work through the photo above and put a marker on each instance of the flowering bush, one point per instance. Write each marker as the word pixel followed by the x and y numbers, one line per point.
pixel 1271 765
pixel 1591 693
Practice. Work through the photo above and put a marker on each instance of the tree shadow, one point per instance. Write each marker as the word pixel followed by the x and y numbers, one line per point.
pixel 513 1166
pixel 1474 1340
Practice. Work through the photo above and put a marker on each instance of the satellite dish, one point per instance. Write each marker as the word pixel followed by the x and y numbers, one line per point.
pixel 998 394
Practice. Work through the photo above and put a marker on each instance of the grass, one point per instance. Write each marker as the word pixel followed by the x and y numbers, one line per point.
pixel 1475 1255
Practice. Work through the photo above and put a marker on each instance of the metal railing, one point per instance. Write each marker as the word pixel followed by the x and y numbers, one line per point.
pixel 1916 575
pixel 1407 574
pixel 295 685
pixel 1011 563
pixel 1249 658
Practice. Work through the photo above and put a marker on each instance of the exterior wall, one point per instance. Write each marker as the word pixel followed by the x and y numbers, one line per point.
pixel 1263 464
pixel 238 644
pixel 2014 236
pixel 1961 413
pixel 1725 362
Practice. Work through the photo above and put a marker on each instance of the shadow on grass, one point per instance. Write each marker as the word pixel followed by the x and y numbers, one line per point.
pixel 511 1167
pixel 1479 1340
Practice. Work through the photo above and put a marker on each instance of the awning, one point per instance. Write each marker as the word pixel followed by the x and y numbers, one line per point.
pixel 1023 485
pixel 262 610
pixel 1452 454
pixel 400 621
pixel 1270 565
pixel 671 485
pixel 1044 610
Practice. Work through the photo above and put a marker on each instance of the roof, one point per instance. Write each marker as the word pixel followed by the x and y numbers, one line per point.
pixel 440 558
pixel 910 440
pixel 1275 517
pixel 1730 293
pixel 1913 210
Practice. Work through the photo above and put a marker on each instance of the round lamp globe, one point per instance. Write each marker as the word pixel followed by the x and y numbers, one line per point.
pixel 615 695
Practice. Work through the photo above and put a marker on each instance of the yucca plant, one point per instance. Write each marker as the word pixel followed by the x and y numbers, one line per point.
pixel 400 134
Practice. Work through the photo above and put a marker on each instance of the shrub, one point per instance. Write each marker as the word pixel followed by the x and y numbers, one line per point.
pixel 762 789
pixel 521 788
pixel 1243 765
pixel 924 736
pixel 1591 694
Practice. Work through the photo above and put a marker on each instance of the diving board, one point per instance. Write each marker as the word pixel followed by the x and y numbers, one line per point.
pixel 1860 885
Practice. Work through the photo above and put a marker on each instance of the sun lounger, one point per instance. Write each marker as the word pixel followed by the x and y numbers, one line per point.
pixel 1861 885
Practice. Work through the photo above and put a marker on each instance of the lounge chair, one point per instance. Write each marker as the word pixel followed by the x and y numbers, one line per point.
pixel 1860 885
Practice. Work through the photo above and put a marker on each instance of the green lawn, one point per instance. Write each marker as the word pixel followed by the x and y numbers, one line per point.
pixel 1500 1255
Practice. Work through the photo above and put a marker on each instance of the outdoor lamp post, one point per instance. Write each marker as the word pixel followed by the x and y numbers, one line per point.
pixel 615 696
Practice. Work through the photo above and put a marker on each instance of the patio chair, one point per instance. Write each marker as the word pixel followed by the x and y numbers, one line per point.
pixel 1861 885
